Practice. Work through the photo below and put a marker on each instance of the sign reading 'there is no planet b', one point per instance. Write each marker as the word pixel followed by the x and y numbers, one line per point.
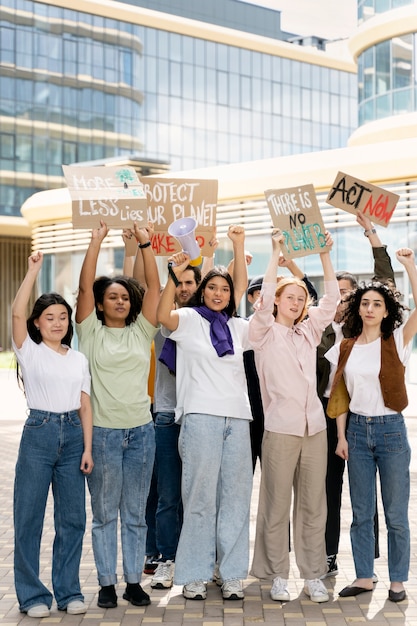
pixel 295 211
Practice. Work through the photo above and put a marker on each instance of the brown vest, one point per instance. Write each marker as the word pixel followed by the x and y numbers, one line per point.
pixel 391 378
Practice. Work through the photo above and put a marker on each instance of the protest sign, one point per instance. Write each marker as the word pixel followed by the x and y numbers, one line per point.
pixel 295 211
pixel 112 194
pixel 169 199
pixel 353 195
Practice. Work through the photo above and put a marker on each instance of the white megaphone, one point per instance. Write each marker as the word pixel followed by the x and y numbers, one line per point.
pixel 184 231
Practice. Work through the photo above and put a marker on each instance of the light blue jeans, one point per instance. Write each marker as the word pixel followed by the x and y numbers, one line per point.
pixel 216 492
pixel 381 443
pixel 119 483
pixel 50 453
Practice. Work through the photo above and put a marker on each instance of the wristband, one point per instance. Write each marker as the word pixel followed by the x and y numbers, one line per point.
pixel 371 231
pixel 172 274
pixel 144 245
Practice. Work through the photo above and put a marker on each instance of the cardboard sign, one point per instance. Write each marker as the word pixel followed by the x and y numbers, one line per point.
pixel 169 199
pixel 112 194
pixel 352 195
pixel 295 211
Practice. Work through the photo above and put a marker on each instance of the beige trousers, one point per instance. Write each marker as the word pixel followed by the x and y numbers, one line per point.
pixel 298 464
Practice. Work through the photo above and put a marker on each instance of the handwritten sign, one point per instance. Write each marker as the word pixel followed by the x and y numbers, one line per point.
pixel 353 195
pixel 295 211
pixel 169 199
pixel 112 194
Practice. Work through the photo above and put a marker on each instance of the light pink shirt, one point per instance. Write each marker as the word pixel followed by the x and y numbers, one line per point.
pixel 286 363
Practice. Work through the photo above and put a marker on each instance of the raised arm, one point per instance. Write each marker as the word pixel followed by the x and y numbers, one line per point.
pixel 328 270
pixel 208 261
pixel 85 299
pixel 21 301
pixel 271 270
pixel 406 257
pixel 129 258
pixel 383 269
pixel 240 271
pixel 150 270
pixel 166 314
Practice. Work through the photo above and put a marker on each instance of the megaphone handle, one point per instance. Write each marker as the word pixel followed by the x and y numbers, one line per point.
pixel 172 274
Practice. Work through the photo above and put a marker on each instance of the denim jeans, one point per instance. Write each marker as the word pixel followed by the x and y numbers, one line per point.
pixel 150 516
pixel 50 453
pixel 168 471
pixel 216 493
pixel 381 443
pixel 119 483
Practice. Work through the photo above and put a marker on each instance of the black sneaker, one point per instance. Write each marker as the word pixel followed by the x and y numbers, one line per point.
pixel 332 569
pixel 151 563
pixel 135 594
pixel 107 597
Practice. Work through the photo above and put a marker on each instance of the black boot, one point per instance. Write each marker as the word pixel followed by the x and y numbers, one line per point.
pixel 107 597
pixel 135 594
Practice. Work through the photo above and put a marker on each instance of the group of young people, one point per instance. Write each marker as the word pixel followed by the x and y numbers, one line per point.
pixel 89 416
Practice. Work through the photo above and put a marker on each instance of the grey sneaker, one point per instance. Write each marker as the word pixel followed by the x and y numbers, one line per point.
pixel 196 590
pixel 163 576
pixel 279 590
pixel 232 589
pixel 316 590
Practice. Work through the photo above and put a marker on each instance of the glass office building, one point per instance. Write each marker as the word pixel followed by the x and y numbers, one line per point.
pixel 387 68
pixel 77 86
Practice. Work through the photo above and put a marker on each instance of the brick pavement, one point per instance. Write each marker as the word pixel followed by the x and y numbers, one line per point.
pixel 169 607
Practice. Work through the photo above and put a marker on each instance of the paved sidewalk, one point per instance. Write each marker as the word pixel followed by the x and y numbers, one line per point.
pixel 169 607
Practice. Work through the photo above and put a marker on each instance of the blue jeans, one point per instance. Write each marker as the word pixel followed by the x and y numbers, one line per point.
pixel 381 443
pixel 119 482
pixel 216 492
pixel 168 471
pixel 50 453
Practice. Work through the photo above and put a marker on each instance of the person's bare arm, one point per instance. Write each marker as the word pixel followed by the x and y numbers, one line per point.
pixel 21 301
pixel 85 299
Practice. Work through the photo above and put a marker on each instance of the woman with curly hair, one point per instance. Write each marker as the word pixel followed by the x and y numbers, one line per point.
pixel 370 367
pixel 116 323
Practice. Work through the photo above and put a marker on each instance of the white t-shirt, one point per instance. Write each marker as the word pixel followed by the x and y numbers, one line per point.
pixel 53 382
pixel 207 383
pixel 361 373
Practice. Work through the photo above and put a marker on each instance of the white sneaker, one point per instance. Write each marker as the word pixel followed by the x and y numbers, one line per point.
pixel 374 578
pixel 76 607
pixel 279 590
pixel 232 589
pixel 316 590
pixel 196 590
pixel 163 576
pixel 39 610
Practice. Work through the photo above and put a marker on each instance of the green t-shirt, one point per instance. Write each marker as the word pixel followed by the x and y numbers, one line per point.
pixel 119 360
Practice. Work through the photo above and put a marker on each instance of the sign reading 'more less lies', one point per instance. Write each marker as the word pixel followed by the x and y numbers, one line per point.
pixel 112 194
pixel 353 195
pixel 170 199
pixel 295 211
pixel 117 196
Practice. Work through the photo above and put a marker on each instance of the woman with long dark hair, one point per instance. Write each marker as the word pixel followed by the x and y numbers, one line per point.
pixel 214 443
pixel 116 323
pixel 369 382
pixel 55 448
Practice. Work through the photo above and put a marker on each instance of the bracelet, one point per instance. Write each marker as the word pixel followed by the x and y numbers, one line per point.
pixel 371 231
pixel 144 245
pixel 172 274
